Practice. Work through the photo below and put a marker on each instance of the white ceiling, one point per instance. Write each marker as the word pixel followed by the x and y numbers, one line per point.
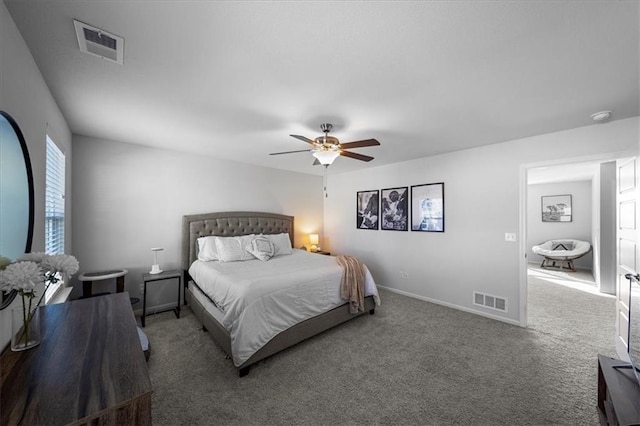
pixel 571 172
pixel 234 79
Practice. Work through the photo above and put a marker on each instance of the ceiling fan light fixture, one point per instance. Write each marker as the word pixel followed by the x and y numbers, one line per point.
pixel 327 148
pixel 326 156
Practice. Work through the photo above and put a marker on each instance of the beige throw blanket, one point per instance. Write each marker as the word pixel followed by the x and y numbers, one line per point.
pixel 352 285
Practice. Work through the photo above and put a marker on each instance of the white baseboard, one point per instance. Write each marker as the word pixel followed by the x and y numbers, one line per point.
pixel 451 305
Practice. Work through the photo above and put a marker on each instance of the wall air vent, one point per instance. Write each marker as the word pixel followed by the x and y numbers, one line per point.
pixel 488 301
pixel 99 42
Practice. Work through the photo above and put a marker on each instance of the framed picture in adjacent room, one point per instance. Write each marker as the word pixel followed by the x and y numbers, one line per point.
pixel 395 209
pixel 556 208
pixel 427 207
pixel 367 207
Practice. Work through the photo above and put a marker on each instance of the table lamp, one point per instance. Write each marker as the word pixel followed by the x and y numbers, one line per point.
pixel 314 240
pixel 155 268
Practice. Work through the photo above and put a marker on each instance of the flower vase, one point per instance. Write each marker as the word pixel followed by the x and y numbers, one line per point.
pixel 25 329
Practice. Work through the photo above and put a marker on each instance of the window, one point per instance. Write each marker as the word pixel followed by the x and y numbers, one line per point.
pixel 54 207
pixel 54 200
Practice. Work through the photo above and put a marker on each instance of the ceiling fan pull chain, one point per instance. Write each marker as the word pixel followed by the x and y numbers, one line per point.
pixel 324 181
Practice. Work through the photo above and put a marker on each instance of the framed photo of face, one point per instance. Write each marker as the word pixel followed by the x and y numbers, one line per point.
pixel 395 209
pixel 427 207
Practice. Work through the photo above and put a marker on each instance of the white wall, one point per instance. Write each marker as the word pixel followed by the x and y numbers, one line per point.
pixel 129 198
pixel 608 228
pixel 580 227
pixel 481 204
pixel 25 96
pixel 596 239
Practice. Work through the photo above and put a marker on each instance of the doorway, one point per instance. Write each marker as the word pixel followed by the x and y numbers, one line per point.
pixel 581 304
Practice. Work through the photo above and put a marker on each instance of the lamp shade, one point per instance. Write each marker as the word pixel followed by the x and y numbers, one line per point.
pixel 314 239
pixel 326 156
pixel 155 268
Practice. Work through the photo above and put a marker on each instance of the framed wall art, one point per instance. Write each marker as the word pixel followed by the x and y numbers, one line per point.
pixel 427 207
pixel 556 208
pixel 367 205
pixel 394 206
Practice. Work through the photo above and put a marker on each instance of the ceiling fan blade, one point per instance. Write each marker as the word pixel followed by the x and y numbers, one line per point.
pixel 359 144
pixel 290 152
pixel 303 139
pixel 356 156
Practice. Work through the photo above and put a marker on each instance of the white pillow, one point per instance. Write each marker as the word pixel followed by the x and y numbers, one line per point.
pixel 281 242
pixel 207 248
pixel 261 248
pixel 231 249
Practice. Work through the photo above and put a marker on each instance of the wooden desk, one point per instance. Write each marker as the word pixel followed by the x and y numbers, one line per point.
pixel 89 368
pixel 618 393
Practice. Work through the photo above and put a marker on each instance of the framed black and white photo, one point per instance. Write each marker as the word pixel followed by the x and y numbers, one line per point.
pixel 556 208
pixel 394 206
pixel 367 205
pixel 427 207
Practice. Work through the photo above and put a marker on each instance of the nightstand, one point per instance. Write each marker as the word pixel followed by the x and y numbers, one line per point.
pixel 165 275
pixel 326 253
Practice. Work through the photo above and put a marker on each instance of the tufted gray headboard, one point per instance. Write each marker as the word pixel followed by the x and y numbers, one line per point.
pixel 228 224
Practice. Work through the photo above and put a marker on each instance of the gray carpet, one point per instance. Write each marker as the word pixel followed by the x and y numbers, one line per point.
pixel 411 363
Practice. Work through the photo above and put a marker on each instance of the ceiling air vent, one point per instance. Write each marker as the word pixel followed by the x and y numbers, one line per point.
pixel 99 42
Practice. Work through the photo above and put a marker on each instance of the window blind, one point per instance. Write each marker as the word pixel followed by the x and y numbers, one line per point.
pixel 54 199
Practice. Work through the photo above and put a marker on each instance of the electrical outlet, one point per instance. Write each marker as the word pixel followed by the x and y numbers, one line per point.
pixel 510 237
pixel 404 274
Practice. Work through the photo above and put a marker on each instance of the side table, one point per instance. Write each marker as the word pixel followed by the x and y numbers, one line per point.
pixel 165 275
pixel 89 277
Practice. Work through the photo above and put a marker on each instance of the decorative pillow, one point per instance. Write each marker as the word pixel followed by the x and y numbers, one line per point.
pixel 281 242
pixel 207 248
pixel 562 245
pixel 231 249
pixel 261 248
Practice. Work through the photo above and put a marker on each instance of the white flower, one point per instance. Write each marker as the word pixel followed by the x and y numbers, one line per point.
pixel 21 276
pixel 62 263
pixel 26 273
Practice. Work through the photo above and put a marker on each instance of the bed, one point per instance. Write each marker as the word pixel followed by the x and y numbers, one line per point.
pixel 214 314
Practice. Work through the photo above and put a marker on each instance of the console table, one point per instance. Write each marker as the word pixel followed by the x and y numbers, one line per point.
pixel 88 369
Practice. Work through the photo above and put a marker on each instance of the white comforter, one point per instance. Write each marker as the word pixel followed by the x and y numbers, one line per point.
pixel 261 299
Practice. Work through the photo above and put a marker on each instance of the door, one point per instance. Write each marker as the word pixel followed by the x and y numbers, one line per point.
pixel 627 247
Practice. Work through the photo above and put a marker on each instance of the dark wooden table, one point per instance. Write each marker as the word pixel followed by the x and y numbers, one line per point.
pixel 618 393
pixel 89 368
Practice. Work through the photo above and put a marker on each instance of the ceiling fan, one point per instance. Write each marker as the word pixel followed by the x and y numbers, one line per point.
pixel 327 148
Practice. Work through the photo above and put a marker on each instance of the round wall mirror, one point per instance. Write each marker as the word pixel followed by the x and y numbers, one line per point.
pixel 16 196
